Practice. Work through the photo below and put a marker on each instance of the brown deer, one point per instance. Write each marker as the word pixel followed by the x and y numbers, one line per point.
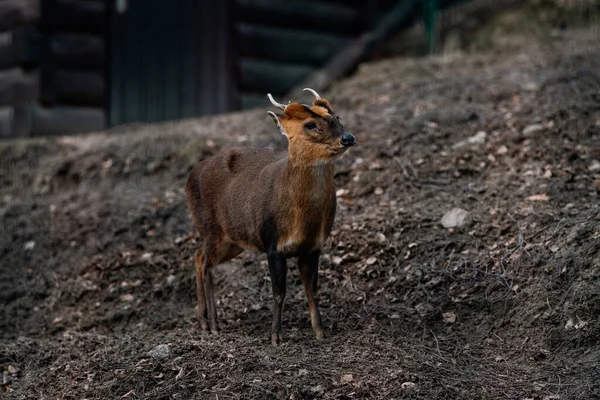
pixel 282 204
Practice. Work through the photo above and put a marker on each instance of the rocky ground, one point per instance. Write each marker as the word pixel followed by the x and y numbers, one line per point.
pixel 96 247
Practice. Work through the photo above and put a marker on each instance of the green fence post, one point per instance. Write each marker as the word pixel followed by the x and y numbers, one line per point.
pixel 430 11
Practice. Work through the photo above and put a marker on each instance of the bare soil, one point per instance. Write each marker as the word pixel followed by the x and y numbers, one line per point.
pixel 96 246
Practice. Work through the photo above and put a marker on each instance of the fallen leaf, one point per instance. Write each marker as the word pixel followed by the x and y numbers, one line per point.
pixel 569 325
pixel 539 197
pixel 180 374
pixel 371 260
pixel 408 385
pixel 502 150
pixel 126 297
pixel 12 369
pixel 595 166
pixel 580 324
pixel 128 394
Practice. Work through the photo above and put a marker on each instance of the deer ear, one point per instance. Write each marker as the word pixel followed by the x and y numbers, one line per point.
pixel 276 120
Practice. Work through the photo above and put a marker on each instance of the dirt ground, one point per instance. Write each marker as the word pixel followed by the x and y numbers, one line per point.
pixel 96 245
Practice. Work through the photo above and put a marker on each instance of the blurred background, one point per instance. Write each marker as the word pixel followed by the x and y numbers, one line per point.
pixel 74 66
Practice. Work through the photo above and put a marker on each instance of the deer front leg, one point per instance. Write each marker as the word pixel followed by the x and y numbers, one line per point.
pixel 308 264
pixel 278 272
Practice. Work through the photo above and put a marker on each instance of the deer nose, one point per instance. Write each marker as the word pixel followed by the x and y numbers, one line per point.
pixel 347 140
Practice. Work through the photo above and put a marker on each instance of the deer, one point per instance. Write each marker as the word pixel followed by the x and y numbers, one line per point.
pixel 279 203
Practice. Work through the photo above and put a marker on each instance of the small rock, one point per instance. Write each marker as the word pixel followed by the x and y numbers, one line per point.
pixel 317 389
pixel 569 325
pixel 457 218
pixel 408 385
pixel 531 87
pixel 530 129
pixel 346 378
pixel 449 317
pixel 336 260
pixel 29 245
pixel 160 352
pixel 303 372
pixel 171 279
pixel 371 260
pixel 595 166
pixel 154 166
pixel 478 138
pixel 551 397
pixel 12 369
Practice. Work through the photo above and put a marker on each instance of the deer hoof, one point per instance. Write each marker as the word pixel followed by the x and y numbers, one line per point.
pixel 319 334
pixel 275 339
pixel 203 325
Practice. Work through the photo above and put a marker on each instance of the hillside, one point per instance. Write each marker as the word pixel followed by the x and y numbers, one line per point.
pixel 96 246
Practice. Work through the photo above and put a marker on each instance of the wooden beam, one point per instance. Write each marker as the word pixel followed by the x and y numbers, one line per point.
pixel 254 100
pixel 17 47
pixel 87 16
pixel 34 120
pixel 17 13
pixel 75 87
pixel 17 86
pixel 348 58
pixel 287 45
pixel 6 121
pixel 258 76
pixel 321 16
pixel 78 50
pixel 66 120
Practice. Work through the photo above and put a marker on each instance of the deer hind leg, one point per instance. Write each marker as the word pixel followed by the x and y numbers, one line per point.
pixel 213 253
pixel 206 258
pixel 202 311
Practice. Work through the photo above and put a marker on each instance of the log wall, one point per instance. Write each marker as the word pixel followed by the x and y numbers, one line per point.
pixel 52 63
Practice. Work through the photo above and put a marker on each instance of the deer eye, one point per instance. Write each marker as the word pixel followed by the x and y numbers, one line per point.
pixel 310 126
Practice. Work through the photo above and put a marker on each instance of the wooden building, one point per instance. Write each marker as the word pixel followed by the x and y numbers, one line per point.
pixel 70 66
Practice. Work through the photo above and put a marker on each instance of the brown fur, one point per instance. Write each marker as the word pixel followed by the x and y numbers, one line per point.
pixel 278 203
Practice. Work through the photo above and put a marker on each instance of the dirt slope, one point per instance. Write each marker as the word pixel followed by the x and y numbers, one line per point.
pixel 96 247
